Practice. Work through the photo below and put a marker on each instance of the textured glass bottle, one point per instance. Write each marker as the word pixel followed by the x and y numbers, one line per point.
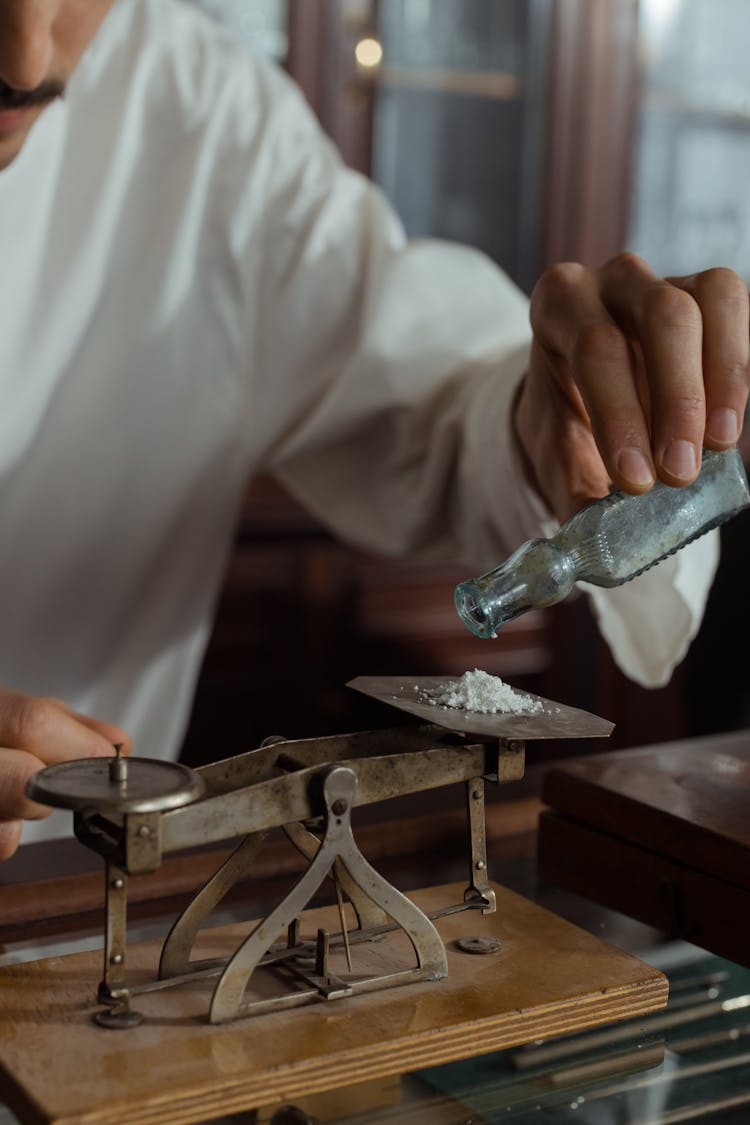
pixel 607 543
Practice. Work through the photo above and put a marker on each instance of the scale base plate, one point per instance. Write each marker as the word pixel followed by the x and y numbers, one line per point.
pixel 547 978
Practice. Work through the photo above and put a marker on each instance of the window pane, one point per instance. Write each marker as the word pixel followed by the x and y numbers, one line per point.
pixel 457 127
pixel 691 205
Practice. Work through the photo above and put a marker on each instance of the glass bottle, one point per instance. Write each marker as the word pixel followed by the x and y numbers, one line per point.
pixel 607 543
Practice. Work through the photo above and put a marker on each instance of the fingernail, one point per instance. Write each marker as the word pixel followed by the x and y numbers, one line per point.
pixel 680 460
pixel 722 425
pixel 635 468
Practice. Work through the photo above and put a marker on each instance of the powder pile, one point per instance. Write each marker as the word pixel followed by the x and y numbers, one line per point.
pixel 479 691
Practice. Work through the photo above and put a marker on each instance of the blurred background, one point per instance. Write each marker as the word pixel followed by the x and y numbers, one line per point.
pixel 538 131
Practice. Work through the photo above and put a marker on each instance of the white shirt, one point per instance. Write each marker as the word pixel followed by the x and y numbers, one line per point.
pixel 193 289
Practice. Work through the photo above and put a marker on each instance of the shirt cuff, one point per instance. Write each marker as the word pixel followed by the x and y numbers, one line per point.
pixel 650 622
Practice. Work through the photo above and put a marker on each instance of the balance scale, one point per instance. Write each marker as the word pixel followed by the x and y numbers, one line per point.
pixel 213 1020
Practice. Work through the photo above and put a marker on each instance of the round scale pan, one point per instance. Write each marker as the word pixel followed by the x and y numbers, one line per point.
pixel 150 785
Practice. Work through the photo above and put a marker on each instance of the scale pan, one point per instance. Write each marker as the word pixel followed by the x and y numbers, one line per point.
pixel 412 694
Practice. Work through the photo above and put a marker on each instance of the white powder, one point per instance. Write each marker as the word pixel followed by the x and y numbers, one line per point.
pixel 479 691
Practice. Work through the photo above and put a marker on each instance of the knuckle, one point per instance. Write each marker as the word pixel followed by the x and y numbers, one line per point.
pixel 554 287
pixel 627 266
pixel 624 272
pixel 720 283
pixel 666 306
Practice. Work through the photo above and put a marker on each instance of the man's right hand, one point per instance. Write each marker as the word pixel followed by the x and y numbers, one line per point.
pixel 37 732
pixel 631 375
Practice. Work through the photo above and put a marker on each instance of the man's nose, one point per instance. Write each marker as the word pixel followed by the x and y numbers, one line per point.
pixel 26 41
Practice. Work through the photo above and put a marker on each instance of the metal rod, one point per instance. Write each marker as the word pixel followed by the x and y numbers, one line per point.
pixel 342 919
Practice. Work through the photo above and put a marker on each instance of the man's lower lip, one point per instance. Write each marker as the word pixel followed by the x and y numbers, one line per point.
pixel 11 118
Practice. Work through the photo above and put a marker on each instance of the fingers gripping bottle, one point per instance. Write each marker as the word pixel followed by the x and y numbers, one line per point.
pixel 607 543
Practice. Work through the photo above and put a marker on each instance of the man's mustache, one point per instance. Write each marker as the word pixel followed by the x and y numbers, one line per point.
pixel 11 98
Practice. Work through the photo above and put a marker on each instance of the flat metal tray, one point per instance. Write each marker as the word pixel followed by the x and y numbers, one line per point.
pixel 411 694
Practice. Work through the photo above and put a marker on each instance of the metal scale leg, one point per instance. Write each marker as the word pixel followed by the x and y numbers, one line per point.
pixel 479 890
pixel 175 954
pixel 338 843
pixel 113 989
pixel 368 913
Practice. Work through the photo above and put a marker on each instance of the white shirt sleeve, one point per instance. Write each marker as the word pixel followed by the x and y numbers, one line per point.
pixel 650 622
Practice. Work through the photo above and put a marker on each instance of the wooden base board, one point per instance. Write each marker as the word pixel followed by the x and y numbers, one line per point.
pixel 548 978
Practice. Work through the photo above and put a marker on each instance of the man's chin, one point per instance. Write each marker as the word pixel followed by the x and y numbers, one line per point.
pixel 8 154
pixel 15 126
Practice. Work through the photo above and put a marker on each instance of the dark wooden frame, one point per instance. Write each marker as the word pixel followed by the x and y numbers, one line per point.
pixel 593 97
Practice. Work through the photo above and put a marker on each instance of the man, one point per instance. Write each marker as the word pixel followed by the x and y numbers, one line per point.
pixel 195 290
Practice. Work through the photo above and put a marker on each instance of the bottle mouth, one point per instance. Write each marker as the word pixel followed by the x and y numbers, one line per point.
pixel 468 599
